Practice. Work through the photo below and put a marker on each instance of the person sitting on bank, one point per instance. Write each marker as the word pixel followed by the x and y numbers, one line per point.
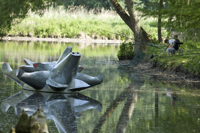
pixel 169 43
pixel 174 46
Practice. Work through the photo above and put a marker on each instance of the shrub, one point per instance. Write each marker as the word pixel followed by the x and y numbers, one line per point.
pixel 126 51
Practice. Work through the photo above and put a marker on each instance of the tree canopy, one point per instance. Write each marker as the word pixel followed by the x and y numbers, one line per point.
pixel 178 14
pixel 13 11
pixel 184 14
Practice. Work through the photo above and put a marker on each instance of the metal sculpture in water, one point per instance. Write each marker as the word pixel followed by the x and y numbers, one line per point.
pixel 62 75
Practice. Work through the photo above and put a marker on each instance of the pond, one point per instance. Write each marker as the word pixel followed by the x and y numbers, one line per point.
pixel 126 101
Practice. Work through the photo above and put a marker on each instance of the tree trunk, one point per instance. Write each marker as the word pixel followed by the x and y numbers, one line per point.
pixel 141 37
pixel 126 112
pixel 159 22
pixel 188 2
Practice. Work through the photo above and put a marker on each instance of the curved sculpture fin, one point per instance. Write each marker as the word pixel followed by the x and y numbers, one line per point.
pixel 65 53
pixel 42 66
pixel 27 68
pixel 77 85
pixel 7 70
pixel 28 62
pixel 89 79
pixel 55 85
pixel 35 79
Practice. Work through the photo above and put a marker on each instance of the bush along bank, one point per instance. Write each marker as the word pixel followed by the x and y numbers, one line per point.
pixel 126 51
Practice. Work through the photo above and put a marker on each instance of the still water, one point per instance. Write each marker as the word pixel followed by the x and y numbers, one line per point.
pixel 127 101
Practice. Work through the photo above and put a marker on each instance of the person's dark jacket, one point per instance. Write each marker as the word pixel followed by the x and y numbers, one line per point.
pixel 176 44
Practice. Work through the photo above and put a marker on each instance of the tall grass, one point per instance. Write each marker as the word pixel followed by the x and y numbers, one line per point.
pixel 71 22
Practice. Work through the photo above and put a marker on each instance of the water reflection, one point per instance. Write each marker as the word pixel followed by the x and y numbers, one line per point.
pixel 14 52
pixel 131 101
pixel 130 96
pixel 63 109
pixel 172 94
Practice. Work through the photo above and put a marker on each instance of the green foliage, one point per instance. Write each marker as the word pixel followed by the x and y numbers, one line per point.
pixel 192 34
pixel 185 14
pixel 12 12
pixel 180 15
pixel 90 4
pixel 126 50
pixel 191 45
pixel 69 24
pixel 188 62
pixel 150 26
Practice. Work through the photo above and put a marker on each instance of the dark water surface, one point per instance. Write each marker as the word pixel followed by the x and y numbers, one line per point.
pixel 126 101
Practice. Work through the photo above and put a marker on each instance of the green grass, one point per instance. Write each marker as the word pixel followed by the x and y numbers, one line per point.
pixel 71 22
pixel 188 62
pixel 75 20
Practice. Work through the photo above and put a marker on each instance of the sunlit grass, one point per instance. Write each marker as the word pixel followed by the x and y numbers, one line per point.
pixel 69 23
pixel 189 61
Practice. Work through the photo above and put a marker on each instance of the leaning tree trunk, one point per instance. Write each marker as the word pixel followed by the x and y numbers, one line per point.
pixel 136 27
pixel 141 37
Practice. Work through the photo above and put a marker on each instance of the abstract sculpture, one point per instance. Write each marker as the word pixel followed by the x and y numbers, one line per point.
pixel 62 75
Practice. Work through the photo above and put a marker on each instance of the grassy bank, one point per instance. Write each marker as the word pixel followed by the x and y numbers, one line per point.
pixel 188 62
pixel 71 23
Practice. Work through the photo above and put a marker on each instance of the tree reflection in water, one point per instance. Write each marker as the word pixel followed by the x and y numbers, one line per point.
pixel 131 96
